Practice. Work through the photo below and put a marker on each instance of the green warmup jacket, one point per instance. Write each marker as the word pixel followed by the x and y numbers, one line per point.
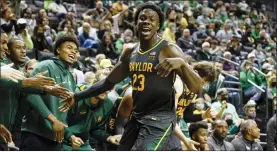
pixel 35 120
pixel 118 87
pixel 84 120
pixel 9 99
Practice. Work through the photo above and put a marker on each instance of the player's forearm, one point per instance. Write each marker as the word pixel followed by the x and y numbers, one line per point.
pixel 178 132
pixel 119 124
pixel 94 90
pixel 191 79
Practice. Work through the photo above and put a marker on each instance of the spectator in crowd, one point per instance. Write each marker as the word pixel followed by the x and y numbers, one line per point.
pixel 272 133
pixel 234 46
pixel 23 34
pixel 58 9
pixel 106 28
pixel 4 49
pixel 185 42
pixel 247 39
pixel 233 128
pixel 128 34
pixel 88 31
pixel 274 34
pixel 204 54
pixel 204 18
pixel 169 33
pixel 255 33
pixel 216 141
pixel 248 74
pixel 88 37
pixel 222 106
pixel 27 14
pixel 199 106
pixel 200 36
pixel 227 66
pixel 90 78
pixel 107 47
pixel 199 132
pixel 249 135
pixel 225 34
pixel 43 36
pixel 41 14
pixel 66 27
pixel 8 21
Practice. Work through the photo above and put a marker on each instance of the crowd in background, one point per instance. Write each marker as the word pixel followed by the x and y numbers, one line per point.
pixel 237 38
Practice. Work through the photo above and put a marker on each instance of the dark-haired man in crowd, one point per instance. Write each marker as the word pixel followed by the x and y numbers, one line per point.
pixel 217 141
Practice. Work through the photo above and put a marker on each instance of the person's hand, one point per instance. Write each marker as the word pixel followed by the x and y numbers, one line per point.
pixel 206 147
pixel 190 145
pixel 12 17
pixel 67 103
pixel 58 91
pixel 11 74
pixel 76 142
pixel 5 134
pixel 114 139
pixel 224 104
pixel 38 81
pixel 167 65
pixel 207 114
pixel 58 128
pixel 239 122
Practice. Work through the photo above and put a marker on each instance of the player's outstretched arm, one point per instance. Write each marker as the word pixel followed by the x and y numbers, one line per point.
pixel 119 73
pixel 172 58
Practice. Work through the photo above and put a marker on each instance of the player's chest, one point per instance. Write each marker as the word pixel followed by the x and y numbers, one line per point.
pixel 143 62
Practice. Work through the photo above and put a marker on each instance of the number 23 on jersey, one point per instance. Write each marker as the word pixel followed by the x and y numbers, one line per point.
pixel 138 82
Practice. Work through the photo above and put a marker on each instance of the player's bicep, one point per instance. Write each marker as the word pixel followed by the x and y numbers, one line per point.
pixel 121 70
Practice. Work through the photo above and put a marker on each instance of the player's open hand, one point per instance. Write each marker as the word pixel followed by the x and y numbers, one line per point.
pixel 67 103
pixel 39 81
pixel 76 142
pixel 167 65
pixel 5 134
pixel 189 145
pixel 58 91
pixel 11 74
pixel 58 128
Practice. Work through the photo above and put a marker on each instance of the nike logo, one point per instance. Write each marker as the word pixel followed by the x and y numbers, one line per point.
pixel 83 113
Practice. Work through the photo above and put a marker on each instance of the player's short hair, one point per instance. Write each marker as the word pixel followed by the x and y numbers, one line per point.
pixel 65 38
pixel 194 127
pixel 150 5
pixel 11 41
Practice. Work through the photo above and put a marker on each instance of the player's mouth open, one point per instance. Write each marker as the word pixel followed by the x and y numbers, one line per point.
pixel 145 30
pixel 72 57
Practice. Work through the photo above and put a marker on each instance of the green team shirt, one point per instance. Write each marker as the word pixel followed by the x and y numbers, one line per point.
pixel 84 120
pixel 10 95
pixel 44 105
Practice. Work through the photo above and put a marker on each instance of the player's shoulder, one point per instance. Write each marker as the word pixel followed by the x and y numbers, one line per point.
pixel 128 50
pixel 171 48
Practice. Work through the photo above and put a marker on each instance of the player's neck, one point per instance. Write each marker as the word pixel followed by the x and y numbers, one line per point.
pixel 147 44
